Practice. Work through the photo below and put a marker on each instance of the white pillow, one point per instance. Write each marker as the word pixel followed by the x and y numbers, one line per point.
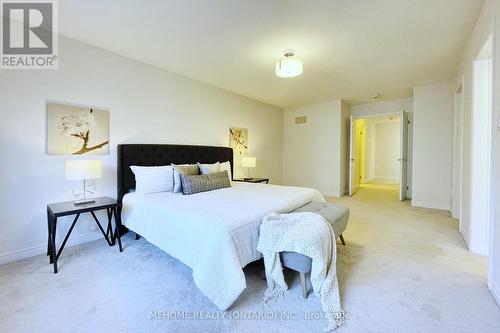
pixel 188 169
pixel 206 169
pixel 226 166
pixel 153 179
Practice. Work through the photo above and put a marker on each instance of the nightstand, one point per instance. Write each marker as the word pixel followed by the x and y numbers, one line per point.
pixel 56 210
pixel 252 180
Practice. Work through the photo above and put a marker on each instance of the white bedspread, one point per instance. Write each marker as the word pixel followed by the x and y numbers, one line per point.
pixel 214 233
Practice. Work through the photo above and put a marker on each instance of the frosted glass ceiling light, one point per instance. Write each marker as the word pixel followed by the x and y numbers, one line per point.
pixel 289 66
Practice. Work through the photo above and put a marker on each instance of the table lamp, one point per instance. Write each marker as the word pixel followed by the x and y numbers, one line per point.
pixel 83 170
pixel 248 162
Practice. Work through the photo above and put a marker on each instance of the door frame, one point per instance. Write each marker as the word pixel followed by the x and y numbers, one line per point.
pixel 481 194
pixel 403 154
pixel 352 161
pixel 458 130
pixel 361 157
pixel 494 126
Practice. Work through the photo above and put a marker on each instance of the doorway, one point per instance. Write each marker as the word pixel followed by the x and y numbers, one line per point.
pixel 379 152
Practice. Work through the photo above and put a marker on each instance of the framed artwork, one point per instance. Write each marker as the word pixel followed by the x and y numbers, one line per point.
pixel 77 130
pixel 238 140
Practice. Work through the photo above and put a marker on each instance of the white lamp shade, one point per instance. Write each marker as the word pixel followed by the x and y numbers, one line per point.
pixel 289 67
pixel 248 162
pixel 83 169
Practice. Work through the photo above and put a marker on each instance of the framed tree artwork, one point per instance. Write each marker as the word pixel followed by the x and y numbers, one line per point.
pixel 238 140
pixel 77 130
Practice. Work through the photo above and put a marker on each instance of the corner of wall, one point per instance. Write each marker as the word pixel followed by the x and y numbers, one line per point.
pixel 495 291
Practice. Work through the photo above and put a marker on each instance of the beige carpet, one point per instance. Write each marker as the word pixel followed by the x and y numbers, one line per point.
pixel 403 270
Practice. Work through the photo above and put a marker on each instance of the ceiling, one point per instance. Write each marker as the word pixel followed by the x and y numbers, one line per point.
pixel 351 48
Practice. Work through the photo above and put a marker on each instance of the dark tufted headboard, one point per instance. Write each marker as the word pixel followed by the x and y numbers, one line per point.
pixel 157 154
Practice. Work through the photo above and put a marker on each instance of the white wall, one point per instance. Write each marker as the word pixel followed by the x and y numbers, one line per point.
pixel 313 155
pixel 147 105
pixel 432 146
pixel 381 108
pixel 387 151
pixel 484 27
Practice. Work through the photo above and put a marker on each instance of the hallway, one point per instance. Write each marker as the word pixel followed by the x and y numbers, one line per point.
pixel 388 190
pixel 410 263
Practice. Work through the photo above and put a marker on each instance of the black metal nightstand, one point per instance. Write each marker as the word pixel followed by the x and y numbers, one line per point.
pixel 252 180
pixel 57 210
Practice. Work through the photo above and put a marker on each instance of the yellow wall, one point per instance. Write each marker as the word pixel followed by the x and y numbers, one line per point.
pixel 359 146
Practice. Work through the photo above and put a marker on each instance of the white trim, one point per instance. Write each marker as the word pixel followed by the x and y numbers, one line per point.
pixel 481 192
pixel 491 171
pixel 352 128
pixel 465 236
pixel 430 205
pixel 42 248
pixel 457 167
pixel 333 194
pixel 398 114
pixel 495 291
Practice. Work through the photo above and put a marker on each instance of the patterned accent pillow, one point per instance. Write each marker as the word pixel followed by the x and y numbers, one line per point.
pixel 201 183
pixel 187 169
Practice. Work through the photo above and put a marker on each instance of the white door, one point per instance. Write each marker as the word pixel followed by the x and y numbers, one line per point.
pixel 353 160
pixel 403 157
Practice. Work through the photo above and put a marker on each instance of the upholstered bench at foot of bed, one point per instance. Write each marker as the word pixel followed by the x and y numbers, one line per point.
pixel 337 216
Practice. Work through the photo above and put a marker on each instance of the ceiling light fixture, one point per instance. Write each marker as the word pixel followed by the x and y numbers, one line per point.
pixel 289 66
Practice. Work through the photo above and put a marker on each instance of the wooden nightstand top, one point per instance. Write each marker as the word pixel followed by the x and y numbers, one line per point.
pixel 69 208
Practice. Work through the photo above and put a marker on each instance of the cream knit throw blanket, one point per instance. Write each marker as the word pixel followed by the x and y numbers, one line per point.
pixel 311 235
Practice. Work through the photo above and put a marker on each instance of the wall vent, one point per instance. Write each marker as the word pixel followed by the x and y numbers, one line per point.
pixel 300 120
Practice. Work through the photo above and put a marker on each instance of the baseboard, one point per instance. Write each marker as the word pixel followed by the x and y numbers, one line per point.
pixel 333 194
pixel 465 237
pixel 385 180
pixel 495 291
pixel 431 205
pixel 42 248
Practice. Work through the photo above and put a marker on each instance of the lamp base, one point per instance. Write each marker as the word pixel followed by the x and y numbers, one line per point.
pixel 83 202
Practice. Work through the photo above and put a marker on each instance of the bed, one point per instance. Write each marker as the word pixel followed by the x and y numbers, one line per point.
pixel 215 233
